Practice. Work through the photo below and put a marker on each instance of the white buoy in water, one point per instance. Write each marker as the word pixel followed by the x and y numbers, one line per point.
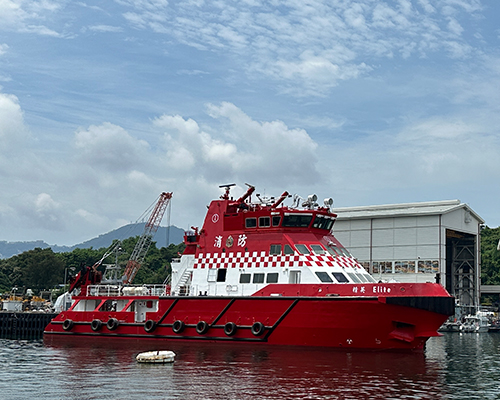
pixel 158 356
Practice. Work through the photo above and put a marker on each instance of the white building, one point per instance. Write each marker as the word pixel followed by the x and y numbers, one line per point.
pixel 417 242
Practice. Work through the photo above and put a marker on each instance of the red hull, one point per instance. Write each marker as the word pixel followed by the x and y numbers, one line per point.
pixel 404 318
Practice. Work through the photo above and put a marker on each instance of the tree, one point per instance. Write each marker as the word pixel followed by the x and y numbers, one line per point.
pixel 35 269
pixel 490 256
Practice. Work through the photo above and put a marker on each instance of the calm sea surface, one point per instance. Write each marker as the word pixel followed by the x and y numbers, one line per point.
pixel 455 366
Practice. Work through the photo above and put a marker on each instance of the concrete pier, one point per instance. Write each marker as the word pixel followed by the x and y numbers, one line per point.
pixel 23 325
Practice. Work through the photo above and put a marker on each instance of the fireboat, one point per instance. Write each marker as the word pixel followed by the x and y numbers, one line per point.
pixel 258 272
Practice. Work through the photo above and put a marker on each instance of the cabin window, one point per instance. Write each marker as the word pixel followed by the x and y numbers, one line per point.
pixel 275 249
pixel 297 220
pixel 288 250
pixel 272 277
pixel 264 222
pixel 345 252
pixel 221 275
pixel 341 278
pixel 276 220
pixel 245 278
pixel 250 222
pixel 302 249
pixel 317 249
pixel 338 251
pixel 322 222
pixel 354 277
pixel 332 251
pixel 362 278
pixel 108 305
pixel 258 278
pixel 324 277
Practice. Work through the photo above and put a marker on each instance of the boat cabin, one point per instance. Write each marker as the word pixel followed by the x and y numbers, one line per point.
pixel 244 246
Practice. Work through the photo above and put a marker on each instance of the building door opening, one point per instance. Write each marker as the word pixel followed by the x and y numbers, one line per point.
pixel 461 271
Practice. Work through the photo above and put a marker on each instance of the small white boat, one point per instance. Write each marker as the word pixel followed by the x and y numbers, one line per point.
pixel 156 357
pixel 475 323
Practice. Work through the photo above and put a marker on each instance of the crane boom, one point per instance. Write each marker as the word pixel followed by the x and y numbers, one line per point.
pixel 142 245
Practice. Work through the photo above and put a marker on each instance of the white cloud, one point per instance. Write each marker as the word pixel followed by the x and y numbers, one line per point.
pixel 45 206
pixel 105 28
pixel 3 48
pixel 311 47
pixel 18 15
pixel 264 151
pixel 420 161
pixel 13 132
pixel 110 147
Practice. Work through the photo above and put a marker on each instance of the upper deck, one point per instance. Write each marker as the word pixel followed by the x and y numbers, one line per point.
pixel 250 226
pixel 244 245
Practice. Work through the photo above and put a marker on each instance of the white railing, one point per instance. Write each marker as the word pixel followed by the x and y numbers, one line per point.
pixel 115 290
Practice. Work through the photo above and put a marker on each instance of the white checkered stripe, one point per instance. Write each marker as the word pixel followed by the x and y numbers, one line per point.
pixel 348 262
pixel 264 260
pixel 326 260
pixel 246 260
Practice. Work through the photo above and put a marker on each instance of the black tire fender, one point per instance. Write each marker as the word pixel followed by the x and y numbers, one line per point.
pixel 112 324
pixel 202 327
pixel 150 325
pixel 258 328
pixel 96 325
pixel 178 326
pixel 230 328
pixel 68 324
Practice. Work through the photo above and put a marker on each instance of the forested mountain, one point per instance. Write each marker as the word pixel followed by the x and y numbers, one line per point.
pixel 175 236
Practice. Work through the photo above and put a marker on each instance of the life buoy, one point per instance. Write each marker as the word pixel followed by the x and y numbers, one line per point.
pixel 258 328
pixel 178 326
pixel 112 324
pixel 68 324
pixel 96 324
pixel 230 328
pixel 201 327
pixel 150 325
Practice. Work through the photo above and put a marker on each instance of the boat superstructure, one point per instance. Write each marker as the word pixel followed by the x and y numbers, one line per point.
pixel 263 272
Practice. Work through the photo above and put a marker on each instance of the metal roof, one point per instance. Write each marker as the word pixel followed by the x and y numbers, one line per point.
pixel 403 209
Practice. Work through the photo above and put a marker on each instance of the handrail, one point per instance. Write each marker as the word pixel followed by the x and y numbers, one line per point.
pixel 116 290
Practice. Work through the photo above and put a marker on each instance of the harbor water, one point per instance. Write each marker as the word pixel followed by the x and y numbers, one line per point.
pixel 454 366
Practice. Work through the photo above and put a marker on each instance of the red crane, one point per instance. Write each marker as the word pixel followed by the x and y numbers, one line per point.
pixel 142 245
pixel 90 275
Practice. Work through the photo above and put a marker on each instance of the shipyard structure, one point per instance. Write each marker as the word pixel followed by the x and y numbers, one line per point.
pixel 418 242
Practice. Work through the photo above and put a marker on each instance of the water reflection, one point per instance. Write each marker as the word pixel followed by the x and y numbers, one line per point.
pixel 239 371
pixel 452 367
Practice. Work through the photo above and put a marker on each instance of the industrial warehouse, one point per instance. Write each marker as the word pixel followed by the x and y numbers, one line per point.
pixel 417 242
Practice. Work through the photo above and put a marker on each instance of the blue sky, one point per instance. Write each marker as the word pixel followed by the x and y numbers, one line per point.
pixel 105 104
